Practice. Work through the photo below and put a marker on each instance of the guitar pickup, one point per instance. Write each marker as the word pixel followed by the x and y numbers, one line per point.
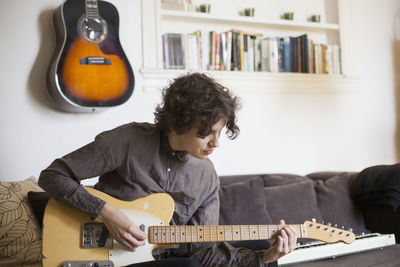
pixel 96 235
pixel 95 61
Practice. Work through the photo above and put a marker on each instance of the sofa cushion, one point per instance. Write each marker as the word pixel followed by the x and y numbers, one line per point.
pixel 243 203
pixel 294 202
pixel 20 235
pixel 336 205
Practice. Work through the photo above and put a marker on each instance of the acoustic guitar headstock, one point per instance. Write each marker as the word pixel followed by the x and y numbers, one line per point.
pixel 327 233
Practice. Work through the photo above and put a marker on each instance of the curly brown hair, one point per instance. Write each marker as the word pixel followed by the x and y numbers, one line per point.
pixel 196 98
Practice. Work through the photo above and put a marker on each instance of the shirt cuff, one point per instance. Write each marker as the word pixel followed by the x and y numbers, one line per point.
pixel 81 199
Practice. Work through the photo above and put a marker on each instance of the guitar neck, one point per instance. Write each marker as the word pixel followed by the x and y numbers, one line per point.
pixel 216 233
pixel 92 10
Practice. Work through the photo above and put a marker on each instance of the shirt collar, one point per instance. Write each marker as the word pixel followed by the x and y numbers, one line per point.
pixel 166 148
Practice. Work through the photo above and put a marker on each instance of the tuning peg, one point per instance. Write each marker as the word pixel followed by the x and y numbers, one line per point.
pixel 351 229
pixel 313 220
pixel 342 226
pixel 329 224
pixel 335 225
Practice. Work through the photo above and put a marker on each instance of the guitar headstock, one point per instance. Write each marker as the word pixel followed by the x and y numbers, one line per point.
pixel 326 233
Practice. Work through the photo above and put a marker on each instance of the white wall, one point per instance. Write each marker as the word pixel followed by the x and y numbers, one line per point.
pixel 294 133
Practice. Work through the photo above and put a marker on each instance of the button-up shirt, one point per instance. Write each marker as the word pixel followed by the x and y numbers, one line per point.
pixel 135 160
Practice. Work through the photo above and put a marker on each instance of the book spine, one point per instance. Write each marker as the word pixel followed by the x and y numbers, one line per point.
pixel 165 51
pixel 218 52
pixel 212 49
pixel 229 50
pixel 241 45
pixel 286 54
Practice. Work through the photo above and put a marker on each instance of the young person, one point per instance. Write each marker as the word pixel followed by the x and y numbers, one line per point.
pixel 171 156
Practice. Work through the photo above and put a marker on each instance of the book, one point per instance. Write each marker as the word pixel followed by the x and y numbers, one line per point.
pixel 273 55
pixel 166 61
pixel 286 54
pixel 213 40
pixel 228 50
pixel 265 54
pixel 311 65
pixel 304 53
pixel 280 43
pixel 294 67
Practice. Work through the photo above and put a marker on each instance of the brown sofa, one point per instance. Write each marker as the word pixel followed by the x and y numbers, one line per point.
pixel 245 199
pixel 267 198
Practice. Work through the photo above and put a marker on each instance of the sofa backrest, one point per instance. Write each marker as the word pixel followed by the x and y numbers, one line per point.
pixel 267 198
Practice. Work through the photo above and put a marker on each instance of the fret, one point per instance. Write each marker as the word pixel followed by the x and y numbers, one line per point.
pixel 201 233
pixel 91 9
pixel 253 232
pixel 193 232
pixel 244 233
pixel 220 233
pixel 214 233
pixel 188 234
pixel 235 232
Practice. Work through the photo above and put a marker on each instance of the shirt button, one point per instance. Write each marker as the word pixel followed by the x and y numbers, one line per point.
pixel 169 169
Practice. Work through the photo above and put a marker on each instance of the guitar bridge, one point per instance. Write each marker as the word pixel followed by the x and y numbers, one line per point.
pixel 95 61
pixel 96 235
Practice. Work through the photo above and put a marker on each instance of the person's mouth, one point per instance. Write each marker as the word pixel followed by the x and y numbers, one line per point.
pixel 208 152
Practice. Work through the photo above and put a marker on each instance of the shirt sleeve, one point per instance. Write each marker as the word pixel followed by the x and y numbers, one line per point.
pixel 222 253
pixel 62 178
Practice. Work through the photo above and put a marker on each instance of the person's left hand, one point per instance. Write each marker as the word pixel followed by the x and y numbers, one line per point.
pixel 285 242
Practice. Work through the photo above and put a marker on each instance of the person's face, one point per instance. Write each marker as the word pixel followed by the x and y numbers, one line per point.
pixel 202 147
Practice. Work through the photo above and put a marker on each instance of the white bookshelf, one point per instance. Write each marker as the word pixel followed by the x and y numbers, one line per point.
pixel 155 22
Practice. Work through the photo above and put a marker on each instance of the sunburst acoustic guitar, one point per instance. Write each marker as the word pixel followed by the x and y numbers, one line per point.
pixel 89 69
pixel 71 238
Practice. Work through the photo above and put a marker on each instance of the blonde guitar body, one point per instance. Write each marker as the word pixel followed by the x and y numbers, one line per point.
pixel 62 238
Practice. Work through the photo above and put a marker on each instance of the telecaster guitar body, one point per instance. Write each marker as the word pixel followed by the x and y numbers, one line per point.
pixel 89 69
pixel 63 234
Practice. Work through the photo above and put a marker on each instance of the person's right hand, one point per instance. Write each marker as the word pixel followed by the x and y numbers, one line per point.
pixel 121 227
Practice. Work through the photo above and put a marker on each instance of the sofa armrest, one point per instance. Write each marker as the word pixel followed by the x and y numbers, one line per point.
pixel 382 220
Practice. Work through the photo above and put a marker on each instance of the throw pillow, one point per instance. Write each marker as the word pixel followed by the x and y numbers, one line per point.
pixel 243 203
pixel 336 205
pixel 294 203
pixel 20 235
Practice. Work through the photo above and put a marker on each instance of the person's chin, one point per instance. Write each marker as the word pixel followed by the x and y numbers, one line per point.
pixel 201 155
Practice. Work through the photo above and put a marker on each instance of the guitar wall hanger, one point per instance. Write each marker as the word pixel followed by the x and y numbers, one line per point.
pixel 89 70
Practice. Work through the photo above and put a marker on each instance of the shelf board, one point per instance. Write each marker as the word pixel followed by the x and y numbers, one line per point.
pixel 153 80
pixel 210 18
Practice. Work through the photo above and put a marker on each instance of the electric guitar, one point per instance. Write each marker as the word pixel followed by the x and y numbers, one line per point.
pixel 89 69
pixel 71 236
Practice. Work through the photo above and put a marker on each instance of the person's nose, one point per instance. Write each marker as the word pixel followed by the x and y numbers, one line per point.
pixel 214 142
